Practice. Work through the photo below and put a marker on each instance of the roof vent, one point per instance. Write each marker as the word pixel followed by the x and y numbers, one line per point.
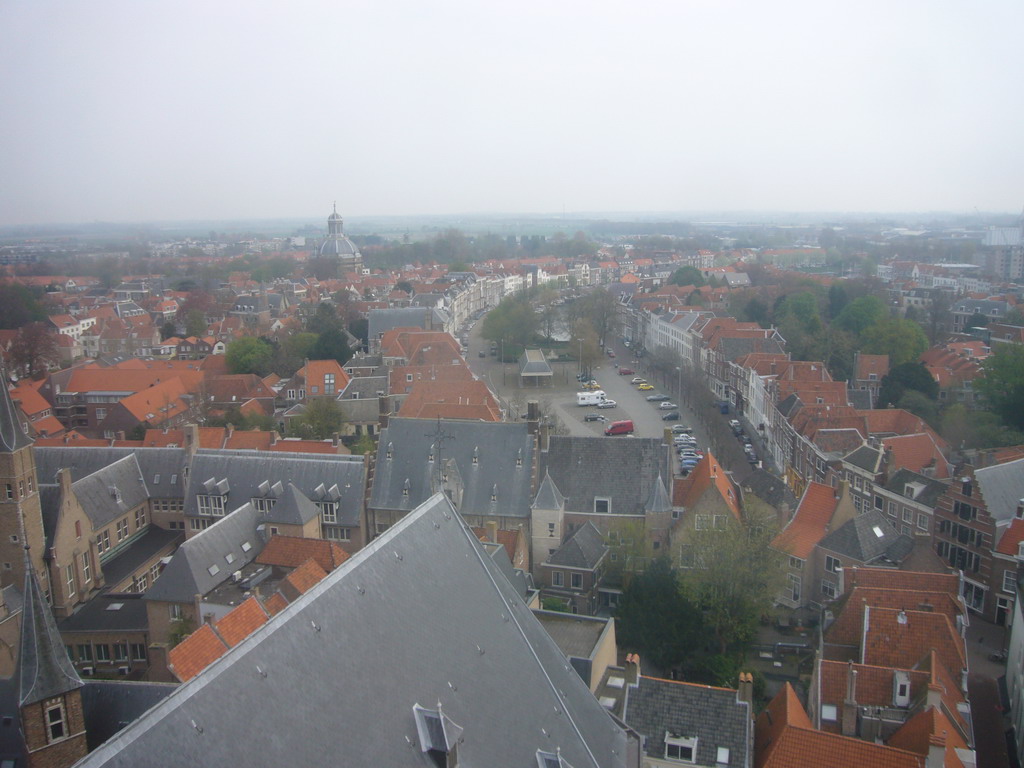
pixel 901 617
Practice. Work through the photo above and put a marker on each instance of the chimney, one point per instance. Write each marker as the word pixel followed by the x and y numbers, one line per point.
pixel 850 702
pixel 64 480
pixel 191 438
pixel 492 531
pixel 532 416
pixel 746 690
pixel 231 430
pixel 632 669
pixel 335 439
pixel 936 750
pixel 383 410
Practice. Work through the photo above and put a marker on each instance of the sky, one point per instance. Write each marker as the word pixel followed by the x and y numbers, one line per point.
pixel 152 110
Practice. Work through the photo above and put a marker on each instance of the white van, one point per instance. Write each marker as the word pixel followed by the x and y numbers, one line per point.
pixel 590 398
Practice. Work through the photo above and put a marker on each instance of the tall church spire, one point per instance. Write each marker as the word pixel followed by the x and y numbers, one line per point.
pixel 12 434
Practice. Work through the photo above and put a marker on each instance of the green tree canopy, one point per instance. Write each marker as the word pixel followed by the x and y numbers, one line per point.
pixel 322 417
pixel 687 276
pixel 602 310
pixel 332 344
pixel 902 340
pixel 1003 384
pixel 656 619
pixel 249 355
pixel 195 323
pixel 18 307
pixel 861 314
pixel 904 378
pixel 512 320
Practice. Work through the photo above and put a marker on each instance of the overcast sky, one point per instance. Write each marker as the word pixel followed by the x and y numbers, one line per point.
pixel 149 110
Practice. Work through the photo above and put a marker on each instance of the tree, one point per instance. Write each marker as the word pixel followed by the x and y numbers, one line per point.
pixel 18 307
pixel 332 344
pixel 687 276
pixel 921 405
pixel 34 350
pixel 321 418
pixel 325 318
pixel 1002 387
pixel 861 314
pixel 404 285
pixel 249 355
pixel 583 344
pixel 602 309
pixel 195 323
pixel 902 340
pixel 656 619
pixel 977 320
pixel 512 320
pixel 167 330
pixel 735 578
pixel 904 378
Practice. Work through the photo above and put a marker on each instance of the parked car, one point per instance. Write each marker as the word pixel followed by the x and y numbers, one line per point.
pixel 611 353
pixel 481 353
pixel 594 417
pixel 671 416
pixel 679 429
pixel 667 406
pixel 638 380
pixel 735 426
pixel 645 387
pixel 626 372
pixel 607 404
pixel 656 398
pixel 619 428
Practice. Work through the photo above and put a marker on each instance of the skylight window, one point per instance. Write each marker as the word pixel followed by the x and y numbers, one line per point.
pixel 246 546
pixel 213 570
pixel 878 531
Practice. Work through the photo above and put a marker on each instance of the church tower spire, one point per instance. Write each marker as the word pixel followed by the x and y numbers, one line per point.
pixel 49 688
pixel 20 513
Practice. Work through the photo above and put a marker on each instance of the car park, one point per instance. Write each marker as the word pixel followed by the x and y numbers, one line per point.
pixel 657 398
pixel 607 404
pixel 667 406
pixel 671 416
pixel 638 380
pixel 645 387
pixel 594 417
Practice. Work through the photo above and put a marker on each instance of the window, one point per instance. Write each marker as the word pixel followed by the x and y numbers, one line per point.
pixel 55 730
pixel 84 652
pixel 720 522
pixel 197 524
pixel 328 383
pixel 174 611
pixel 832 564
pixel 681 749
pixel 908 515
pixel 103 541
pixel 722 758
pixel 69 577
pixel 211 505
pixel 602 506
pixel 10 491
pixel 334 533
pixel 262 505
pixel 828 589
pixel 796 563
pixel 328 511
pixel 964 511
pixel 557 579
pixel 86 568
pixel 120 651
pixel 892 509
pixel 122 530
pixel 1009 581
pixel 101 414
pixel 922 521
pixel 551 529
pixel 140 517
pixel 142 582
pixel 829 712
pixel 702 522
pixel 78 529
pixel 102 652
pixel 138 651
pixel 795 583
pixel 576 580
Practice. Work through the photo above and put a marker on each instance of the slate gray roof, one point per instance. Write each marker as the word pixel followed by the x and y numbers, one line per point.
pixel 622 470
pixel 548 496
pixel 127 561
pixel 110 492
pixel 859 399
pixel 382 320
pixel 532 363
pixel 366 387
pixel 245 471
pixel 163 469
pixel 865 457
pixel 12 433
pixel 713 715
pixel 44 669
pixel 109 613
pixel 770 489
pixel 858 539
pixel 585 548
pixel 1001 486
pixel 108 705
pixel 419 616
pixel 224 547
pixel 929 491
pixel 491 457
pixel 293 508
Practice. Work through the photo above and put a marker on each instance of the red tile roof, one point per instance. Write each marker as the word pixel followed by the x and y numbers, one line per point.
pixel 195 653
pixel 302 579
pixel 1009 542
pixel 292 552
pixel 241 622
pixel 918 452
pixel 275 604
pixel 708 474
pixel 810 523
pixel 903 638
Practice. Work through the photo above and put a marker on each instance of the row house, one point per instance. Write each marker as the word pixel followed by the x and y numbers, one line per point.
pixel 955 368
pixel 868 372
pixel 725 339
pixel 752 377
pixel 963 310
pixel 68 325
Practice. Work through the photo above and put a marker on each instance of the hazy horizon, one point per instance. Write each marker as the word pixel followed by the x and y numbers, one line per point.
pixel 127 112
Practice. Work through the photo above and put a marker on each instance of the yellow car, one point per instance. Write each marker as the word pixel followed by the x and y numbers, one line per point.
pixel 591 385
pixel 645 387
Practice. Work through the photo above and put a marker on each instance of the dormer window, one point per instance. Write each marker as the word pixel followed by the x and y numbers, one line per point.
pixel 680 749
